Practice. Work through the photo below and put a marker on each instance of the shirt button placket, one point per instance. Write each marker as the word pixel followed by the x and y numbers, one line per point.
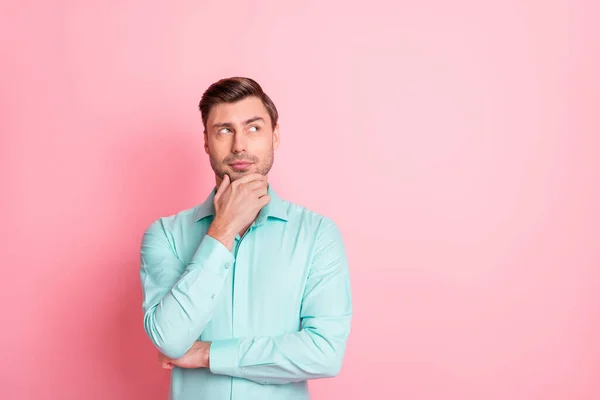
pixel 240 295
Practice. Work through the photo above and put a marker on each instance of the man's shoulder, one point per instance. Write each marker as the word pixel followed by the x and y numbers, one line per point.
pixel 170 222
pixel 306 217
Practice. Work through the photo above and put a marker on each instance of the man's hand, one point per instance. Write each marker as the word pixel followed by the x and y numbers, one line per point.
pixel 196 357
pixel 236 205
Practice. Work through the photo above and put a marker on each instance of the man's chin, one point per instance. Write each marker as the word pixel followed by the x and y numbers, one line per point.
pixel 237 174
pixel 234 175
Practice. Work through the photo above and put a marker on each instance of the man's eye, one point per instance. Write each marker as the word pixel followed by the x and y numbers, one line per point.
pixel 254 129
pixel 224 130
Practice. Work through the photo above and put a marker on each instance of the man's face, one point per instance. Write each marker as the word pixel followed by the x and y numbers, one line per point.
pixel 239 138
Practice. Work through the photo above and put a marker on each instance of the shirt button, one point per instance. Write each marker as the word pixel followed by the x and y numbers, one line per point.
pixel 212 297
pixel 227 266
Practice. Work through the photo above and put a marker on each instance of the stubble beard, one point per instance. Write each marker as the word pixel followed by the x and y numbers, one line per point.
pixel 221 168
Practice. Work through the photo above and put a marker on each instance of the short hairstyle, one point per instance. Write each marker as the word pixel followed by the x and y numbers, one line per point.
pixel 231 90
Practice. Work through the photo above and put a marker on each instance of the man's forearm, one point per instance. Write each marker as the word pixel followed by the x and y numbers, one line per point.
pixel 293 357
pixel 177 313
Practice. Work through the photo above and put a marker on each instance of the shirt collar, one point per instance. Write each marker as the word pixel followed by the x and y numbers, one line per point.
pixel 276 208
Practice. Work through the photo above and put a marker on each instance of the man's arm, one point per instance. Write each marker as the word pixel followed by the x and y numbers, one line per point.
pixel 318 349
pixel 179 299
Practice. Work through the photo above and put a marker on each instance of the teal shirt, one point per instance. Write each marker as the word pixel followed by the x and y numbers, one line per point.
pixel 277 307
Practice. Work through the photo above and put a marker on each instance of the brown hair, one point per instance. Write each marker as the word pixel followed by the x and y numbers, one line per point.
pixel 234 89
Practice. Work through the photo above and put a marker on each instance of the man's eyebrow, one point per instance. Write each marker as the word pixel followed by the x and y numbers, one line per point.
pixel 253 119
pixel 229 124
pixel 222 125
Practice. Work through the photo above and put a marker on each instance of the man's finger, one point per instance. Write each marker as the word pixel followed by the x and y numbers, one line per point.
pixel 260 192
pixel 264 200
pixel 258 184
pixel 223 186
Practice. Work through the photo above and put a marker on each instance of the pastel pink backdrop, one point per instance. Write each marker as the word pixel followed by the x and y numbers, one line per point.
pixel 455 143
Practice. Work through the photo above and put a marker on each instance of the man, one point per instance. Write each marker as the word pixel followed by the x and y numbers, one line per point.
pixel 246 296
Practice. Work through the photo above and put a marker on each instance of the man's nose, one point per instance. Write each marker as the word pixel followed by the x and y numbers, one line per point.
pixel 239 143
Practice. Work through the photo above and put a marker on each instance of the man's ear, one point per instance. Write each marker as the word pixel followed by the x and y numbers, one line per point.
pixel 276 137
pixel 206 142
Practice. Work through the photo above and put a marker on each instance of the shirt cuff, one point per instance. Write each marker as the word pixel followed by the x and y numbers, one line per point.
pixel 223 356
pixel 211 252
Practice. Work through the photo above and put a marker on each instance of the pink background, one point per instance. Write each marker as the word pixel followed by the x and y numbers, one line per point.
pixel 455 143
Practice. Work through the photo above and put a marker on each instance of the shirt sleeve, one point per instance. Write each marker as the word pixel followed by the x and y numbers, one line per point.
pixel 179 299
pixel 317 350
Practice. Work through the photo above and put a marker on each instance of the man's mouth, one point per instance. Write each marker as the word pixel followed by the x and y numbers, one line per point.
pixel 240 165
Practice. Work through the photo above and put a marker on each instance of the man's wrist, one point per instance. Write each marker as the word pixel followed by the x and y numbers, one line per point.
pixel 222 232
